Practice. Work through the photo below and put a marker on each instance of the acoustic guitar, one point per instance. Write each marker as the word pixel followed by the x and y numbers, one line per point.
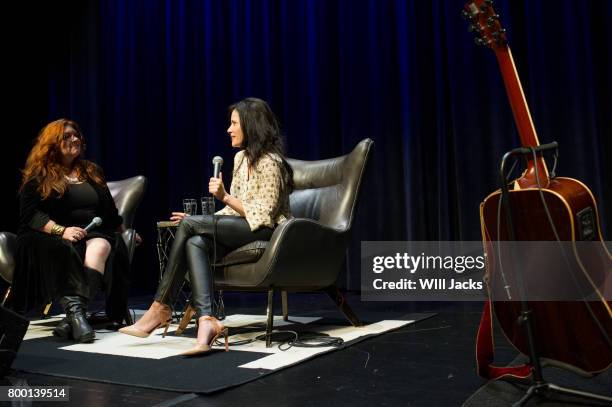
pixel 571 332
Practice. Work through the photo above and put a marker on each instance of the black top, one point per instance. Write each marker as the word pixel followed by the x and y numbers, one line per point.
pixel 81 200
pixel 77 207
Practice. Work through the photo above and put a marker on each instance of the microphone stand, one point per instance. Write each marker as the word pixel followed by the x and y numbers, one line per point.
pixel 539 386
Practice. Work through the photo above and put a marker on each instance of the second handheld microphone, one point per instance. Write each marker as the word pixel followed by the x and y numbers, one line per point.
pixel 217 163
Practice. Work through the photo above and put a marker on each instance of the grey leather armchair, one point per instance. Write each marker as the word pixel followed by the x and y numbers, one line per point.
pixel 127 195
pixel 8 248
pixel 305 253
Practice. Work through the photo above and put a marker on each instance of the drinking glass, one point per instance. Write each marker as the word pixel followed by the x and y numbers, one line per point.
pixel 190 206
pixel 208 205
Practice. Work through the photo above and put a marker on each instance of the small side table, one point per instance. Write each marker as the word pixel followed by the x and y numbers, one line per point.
pixel 166 231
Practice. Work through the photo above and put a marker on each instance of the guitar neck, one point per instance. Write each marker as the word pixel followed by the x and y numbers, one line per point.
pixel 522 118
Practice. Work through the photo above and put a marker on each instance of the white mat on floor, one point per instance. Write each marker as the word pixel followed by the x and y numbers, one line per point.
pixel 156 347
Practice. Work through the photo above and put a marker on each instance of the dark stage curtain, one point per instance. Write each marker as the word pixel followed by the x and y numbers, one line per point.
pixel 150 82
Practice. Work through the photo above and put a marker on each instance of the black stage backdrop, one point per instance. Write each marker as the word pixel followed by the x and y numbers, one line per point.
pixel 150 82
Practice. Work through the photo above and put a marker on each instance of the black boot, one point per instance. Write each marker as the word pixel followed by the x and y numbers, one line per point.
pixel 75 313
pixel 94 280
pixel 63 329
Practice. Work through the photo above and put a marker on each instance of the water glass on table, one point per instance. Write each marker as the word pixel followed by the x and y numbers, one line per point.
pixel 190 206
pixel 208 205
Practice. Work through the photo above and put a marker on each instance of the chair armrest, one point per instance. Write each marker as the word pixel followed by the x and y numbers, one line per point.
pixel 304 252
pixel 8 250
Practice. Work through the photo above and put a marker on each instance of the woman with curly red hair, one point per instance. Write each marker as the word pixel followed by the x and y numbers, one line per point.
pixel 61 193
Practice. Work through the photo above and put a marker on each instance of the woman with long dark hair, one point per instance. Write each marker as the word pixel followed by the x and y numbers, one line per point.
pixel 61 193
pixel 257 202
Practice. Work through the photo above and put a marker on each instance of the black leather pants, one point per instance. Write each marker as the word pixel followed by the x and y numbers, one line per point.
pixel 193 250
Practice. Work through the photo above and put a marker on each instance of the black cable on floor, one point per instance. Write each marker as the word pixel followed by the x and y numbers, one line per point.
pixel 307 340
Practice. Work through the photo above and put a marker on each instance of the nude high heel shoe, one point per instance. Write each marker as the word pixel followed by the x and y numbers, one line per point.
pixel 202 348
pixel 166 319
pixel 187 315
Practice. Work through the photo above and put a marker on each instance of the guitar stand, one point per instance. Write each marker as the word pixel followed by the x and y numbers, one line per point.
pixel 543 389
pixel 539 386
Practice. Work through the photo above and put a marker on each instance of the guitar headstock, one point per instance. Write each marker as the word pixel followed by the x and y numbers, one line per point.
pixel 485 23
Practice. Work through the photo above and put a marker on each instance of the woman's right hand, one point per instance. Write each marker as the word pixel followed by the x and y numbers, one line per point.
pixel 74 234
pixel 178 216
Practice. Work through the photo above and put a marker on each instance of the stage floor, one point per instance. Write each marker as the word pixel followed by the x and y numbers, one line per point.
pixel 430 363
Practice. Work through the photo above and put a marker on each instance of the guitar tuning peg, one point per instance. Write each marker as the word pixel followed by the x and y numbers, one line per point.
pixel 498 36
pixel 492 19
pixel 465 15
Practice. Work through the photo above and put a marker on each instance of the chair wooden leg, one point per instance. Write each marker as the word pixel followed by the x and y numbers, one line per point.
pixel 338 298
pixel 6 295
pixel 45 312
pixel 270 314
pixel 285 305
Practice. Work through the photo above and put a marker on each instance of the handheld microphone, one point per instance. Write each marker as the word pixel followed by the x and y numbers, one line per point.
pixel 97 221
pixel 217 163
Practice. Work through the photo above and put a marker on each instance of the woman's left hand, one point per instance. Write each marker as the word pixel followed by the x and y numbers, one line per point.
pixel 137 239
pixel 177 217
pixel 216 188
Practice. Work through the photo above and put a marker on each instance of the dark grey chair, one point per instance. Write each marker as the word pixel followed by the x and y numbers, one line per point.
pixel 305 253
pixel 127 195
pixel 8 248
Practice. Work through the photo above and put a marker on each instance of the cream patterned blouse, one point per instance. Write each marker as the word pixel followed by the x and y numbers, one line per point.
pixel 264 197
